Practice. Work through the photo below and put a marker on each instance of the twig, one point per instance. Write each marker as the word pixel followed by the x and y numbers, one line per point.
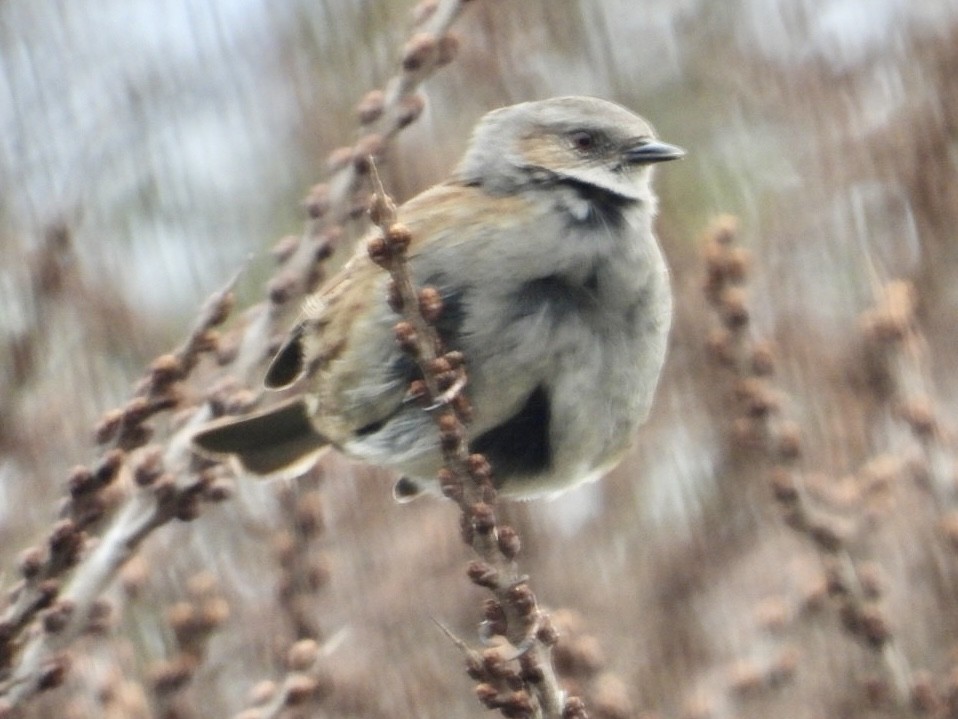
pixel 126 430
pixel 467 479
pixel 306 680
pixel 137 518
pixel 896 345
pixel 762 425
pixel 163 497
pixel 193 621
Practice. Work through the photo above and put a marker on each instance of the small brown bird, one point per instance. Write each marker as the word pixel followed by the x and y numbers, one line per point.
pixel 553 287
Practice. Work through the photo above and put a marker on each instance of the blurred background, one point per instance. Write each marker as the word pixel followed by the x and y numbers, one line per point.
pixel 149 150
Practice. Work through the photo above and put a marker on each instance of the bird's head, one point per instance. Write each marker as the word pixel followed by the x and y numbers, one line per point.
pixel 576 139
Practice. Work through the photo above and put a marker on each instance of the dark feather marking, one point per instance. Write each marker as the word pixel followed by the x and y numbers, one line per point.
pixel 453 315
pixel 287 365
pixel 591 283
pixel 520 445
pixel 638 310
pixel 606 209
pixel 370 428
pixel 280 423
pixel 403 369
pixel 556 296
pixel 406 489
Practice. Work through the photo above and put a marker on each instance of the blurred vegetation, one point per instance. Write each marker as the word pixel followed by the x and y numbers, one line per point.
pixel 167 146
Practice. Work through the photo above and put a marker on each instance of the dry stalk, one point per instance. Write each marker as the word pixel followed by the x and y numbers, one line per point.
pixel 517 676
pixel 303 574
pixel 306 682
pixel 27 655
pixel 193 621
pixel 382 114
pixel 898 352
pixel 760 424
pixel 33 661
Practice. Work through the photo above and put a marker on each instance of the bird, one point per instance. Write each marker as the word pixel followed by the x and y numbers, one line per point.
pixel 554 288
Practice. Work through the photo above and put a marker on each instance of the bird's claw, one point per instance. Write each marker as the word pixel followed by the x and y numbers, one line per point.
pixel 449 395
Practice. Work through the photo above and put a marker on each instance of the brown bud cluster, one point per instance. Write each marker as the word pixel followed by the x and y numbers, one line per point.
pixel 733 307
pixel 390 246
pixel 382 210
pixel 574 709
pixel 149 466
pixel 531 668
pixel 483 517
pixel 450 432
pixel 919 414
pixel 165 370
pixel 462 407
pixel 449 484
pixel 168 677
pixel 282 288
pixel 300 688
pixel 53 672
pixel 783 486
pixel 894 317
pixel 430 307
pixel 398 237
pixel 721 346
pixel 448 49
pixel 480 469
pixel 56 618
pixel 509 543
pixel 865 621
pixel 66 541
pixel 370 108
pixel 757 397
pixel 420 52
pixel 409 109
pixel 30 562
pixel 789 441
pixel 829 536
pixel 482 574
pixel 368 147
pixel 407 337
pixel 108 426
pixel 494 617
pixel 317 201
pixel 521 598
pixel 763 359
pixel 725 264
pixel 302 655
pixel 547 632
pixel 284 248
pixel 424 10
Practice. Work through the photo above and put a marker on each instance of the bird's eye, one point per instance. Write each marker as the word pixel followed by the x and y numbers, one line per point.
pixel 583 140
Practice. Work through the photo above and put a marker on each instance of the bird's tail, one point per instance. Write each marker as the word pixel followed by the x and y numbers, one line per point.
pixel 279 441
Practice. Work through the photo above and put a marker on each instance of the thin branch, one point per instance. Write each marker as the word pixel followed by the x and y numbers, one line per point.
pixel 467 479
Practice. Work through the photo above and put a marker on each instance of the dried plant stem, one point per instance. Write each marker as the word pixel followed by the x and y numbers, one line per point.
pixel 762 425
pixel 330 204
pixel 466 479
pixel 193 621
pixel 384 113
pixel 136 519
pixel 306 680
pixel 139 517
pixel 22 658
pixel 899 349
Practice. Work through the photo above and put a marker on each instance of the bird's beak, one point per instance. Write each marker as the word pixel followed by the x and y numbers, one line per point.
pixel 649 151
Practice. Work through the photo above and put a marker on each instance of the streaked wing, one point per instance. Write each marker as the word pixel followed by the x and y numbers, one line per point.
pixel 346 330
